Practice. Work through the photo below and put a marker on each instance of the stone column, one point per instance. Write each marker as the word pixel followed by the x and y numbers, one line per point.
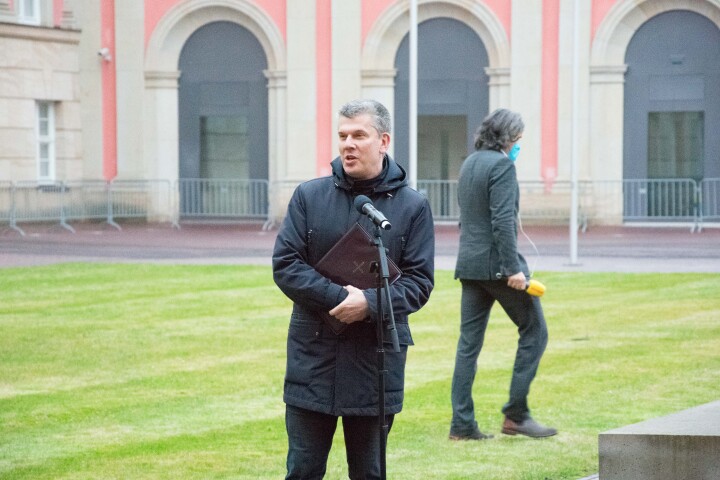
pixel 129 63
pixel 565 85
pixel 498 86
pixel 607 95
pixel 526 81
pixel 380 85
pixel 346 53
pixel 301 92
pixel 278 194
pixel 277 118
pixel 161 150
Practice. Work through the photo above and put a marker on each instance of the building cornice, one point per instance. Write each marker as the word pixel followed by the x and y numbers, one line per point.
pixel 40 34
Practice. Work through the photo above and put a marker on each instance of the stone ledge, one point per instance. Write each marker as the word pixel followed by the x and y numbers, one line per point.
pixel 682 445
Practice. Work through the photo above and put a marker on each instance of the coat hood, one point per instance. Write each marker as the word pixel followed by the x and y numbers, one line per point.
pixel 393 176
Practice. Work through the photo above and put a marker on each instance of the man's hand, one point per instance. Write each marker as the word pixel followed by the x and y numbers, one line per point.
pixel 517 281
pixel 353 309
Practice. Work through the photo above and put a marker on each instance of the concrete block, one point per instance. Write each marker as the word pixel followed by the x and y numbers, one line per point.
pixel 683 445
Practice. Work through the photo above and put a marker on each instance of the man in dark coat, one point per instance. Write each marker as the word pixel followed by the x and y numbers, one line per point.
pixel 491 269
pixel 333 375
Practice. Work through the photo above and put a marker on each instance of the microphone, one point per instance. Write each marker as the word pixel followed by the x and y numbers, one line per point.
pixel 535 288
pixel 365 206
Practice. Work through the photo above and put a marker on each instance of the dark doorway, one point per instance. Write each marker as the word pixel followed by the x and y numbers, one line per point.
pixel 452 97
pixel 672 109
pixel 223 124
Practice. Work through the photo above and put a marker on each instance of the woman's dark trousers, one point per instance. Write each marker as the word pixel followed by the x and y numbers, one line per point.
pixel 478 297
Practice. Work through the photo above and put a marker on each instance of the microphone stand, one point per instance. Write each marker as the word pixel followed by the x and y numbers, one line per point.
pixel 383 291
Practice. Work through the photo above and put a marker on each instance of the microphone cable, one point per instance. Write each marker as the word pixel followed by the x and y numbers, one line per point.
pixel 537 253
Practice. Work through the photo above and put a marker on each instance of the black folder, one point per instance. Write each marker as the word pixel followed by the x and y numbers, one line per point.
pixel 354 260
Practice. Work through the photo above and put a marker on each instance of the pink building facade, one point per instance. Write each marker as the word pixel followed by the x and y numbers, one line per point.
pixel 249 89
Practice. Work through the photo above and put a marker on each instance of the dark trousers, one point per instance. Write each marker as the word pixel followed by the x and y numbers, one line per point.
pixel 478 297
pixel 310 436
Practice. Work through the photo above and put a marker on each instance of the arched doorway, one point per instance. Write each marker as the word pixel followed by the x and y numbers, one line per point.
pixel 452 101
pixel 223 121
pixel 452 96
pixel 672 108
pixel 162 59
pixel 672 98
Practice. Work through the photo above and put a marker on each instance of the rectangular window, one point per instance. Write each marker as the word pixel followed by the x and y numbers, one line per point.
pixel 29 11
pixel 675 151
pixel 46 141
pixel 676 144
pixel 224 147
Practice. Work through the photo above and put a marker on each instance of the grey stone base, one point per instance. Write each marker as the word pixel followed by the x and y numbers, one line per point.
pixel 683 445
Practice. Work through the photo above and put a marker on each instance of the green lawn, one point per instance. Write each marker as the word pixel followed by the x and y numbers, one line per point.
pixel 176 372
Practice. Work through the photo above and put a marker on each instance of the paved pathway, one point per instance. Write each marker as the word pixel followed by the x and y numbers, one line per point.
pixel 601 249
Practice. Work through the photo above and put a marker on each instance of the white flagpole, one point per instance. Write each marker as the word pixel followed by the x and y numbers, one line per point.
pixel 574 203
pixel 412 126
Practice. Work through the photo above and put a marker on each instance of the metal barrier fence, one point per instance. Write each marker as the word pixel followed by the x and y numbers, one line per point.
pixel 709 200
pixel 538 202
pixel 218 198
pixel 151 200
pixel 600 202
pixel 44 202
pixel 280 194
pixel 645 200
pixel 7 205
pixel 549 203
pixel 660 200
pixel 442 195
pixel 61 202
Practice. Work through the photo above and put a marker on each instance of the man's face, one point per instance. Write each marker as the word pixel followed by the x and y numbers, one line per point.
pixel 362 148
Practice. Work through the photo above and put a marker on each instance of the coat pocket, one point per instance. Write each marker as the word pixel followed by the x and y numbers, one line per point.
pixel 310 359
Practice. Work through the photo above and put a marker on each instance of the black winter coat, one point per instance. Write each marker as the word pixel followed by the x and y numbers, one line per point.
pixel 337 374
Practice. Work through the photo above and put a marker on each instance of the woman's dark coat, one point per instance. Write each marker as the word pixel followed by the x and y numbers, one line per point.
pixel 337 374
pixel 489 197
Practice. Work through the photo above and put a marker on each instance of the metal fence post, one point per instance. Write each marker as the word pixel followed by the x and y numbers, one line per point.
pixel 63 217
pixel 13 211
pixel 109 195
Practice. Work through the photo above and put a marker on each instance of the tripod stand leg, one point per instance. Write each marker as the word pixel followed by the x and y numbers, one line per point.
pixel 382 421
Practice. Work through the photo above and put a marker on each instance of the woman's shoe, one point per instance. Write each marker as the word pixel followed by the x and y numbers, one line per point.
pixel 474 435
pixel 527 427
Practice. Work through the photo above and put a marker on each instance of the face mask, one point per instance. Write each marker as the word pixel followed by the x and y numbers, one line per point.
pixel 514 151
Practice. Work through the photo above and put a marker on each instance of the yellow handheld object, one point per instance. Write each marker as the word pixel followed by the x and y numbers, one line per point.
pixel 535 288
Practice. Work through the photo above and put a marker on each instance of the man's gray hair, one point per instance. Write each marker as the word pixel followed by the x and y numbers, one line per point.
pixel 499 129
pixel 380 115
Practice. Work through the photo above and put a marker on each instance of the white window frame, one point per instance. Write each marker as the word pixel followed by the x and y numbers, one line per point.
pixel 28 11
pixel 45 164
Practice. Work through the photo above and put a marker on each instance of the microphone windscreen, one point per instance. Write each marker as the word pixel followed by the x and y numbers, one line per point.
pixel 360 202
pixel 535 288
